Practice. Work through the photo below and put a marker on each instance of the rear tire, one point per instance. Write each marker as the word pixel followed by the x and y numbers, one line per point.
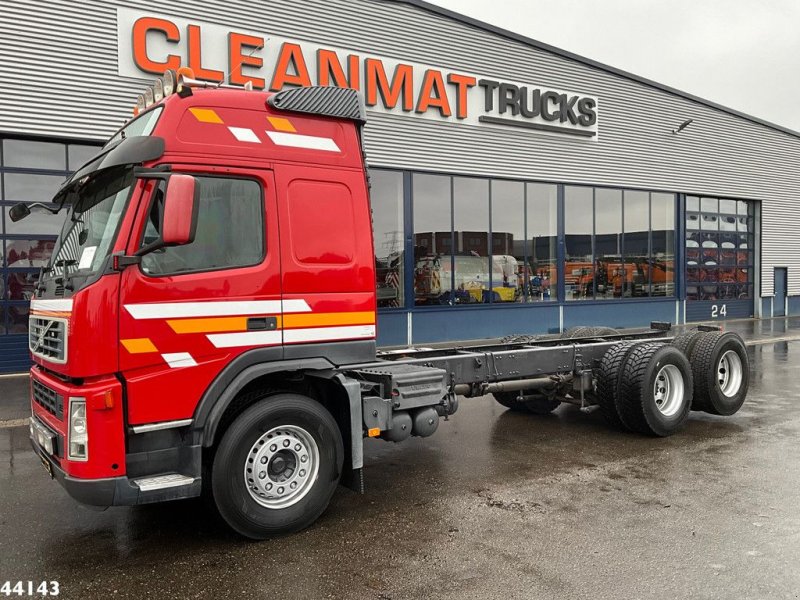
pixel 607 376
pixel 263 489
pixel 721 373
pixel 655 392
pixel 685 342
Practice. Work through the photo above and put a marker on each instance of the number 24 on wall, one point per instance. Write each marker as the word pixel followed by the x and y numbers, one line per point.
pixel 719 311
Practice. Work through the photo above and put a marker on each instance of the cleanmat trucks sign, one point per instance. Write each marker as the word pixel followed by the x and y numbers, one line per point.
pixel 151 44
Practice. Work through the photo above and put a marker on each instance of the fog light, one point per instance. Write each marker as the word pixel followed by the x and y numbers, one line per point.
pixel 78 434
pixel 158 90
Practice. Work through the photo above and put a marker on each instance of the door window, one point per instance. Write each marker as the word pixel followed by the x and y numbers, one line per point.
pixel 230 229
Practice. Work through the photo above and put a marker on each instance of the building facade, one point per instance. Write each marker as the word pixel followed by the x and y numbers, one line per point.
pixel 516 188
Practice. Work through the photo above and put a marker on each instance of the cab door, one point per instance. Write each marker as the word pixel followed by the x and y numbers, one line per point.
pixel 186 312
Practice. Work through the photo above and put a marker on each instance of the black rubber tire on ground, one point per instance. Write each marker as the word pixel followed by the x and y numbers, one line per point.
pixel 541 405
pixel 709 372
pixel 685 342
pixel 231 496
pixel 607 376
pixel 636 402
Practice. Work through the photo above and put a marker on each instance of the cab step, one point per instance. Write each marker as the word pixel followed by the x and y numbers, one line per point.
pixel 162 482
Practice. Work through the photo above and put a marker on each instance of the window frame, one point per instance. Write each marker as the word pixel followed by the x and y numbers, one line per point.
pixel 262 197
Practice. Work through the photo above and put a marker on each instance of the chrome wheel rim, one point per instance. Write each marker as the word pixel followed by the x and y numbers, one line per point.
pixel 730 373
pixel 668 390
pixel 281 467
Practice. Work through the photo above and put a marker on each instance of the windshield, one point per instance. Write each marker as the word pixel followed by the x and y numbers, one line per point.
pixel 96 206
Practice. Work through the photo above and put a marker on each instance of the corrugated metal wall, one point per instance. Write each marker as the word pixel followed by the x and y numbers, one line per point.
pixel 58 76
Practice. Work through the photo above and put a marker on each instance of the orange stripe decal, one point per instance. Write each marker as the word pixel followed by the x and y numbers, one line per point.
pixel 281 124
pixel 205 115
pixel 51 313
pixel 209 325
pixel 328 319
pixel 139 345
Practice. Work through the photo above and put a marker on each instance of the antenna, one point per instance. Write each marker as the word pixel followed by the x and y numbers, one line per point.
pixel 227 80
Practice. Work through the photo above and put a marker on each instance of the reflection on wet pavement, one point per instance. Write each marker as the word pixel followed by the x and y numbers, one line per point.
pixel 495 505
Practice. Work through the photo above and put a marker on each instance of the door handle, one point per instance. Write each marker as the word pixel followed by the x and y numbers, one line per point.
pixel 262 323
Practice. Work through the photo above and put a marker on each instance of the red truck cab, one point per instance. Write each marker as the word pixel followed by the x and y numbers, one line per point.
pixel 219 230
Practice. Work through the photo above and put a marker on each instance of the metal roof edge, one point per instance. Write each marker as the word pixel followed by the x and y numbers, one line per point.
pixel 445 12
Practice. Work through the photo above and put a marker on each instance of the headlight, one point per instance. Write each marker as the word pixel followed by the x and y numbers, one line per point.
pixel 78 434
pixel 148 97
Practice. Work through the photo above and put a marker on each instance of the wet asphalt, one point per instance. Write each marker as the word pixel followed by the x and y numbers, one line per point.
pixel 494 505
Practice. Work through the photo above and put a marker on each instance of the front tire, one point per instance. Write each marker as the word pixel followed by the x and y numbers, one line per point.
pixel 277 466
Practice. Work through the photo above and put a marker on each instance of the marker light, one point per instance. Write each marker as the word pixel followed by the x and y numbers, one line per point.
pixel 158 90
pixel 140 105
pixel 148 97
pixel 186 72
pixel 169 80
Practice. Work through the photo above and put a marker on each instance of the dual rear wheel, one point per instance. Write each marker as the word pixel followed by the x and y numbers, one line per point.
pixel 651 387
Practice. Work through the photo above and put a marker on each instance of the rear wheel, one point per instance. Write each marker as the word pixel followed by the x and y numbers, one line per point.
pixel 277 466
pixel 655 391
pixel 721 373
pixel 607 376
pixel 685 342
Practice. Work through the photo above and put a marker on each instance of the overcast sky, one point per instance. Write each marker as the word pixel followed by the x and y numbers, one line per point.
pixel 744 54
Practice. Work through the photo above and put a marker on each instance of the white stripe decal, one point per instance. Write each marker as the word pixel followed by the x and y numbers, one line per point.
pixel 295 140
pixel 320 334
pixel 178 310
pixel 179 359
pixel 246 338
pixel 243 134
pixel 60 305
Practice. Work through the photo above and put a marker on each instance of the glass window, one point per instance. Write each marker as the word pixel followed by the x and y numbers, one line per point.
pixel 28 253
pixel 386 196
pixel 709 205
pixel 17 318
pixel 31 187
pixel 20 285
pixel 636 278
pixel 79 155
pixel 662 252
pixel 719 256
pixel 508 240
pixel 692 204
pixel 36 223
pixel 608 268
pixel 217 245
pixel 144 124
pixel 432 239
pixel 578 226
pixel 474 277
pixel 542 241
pixel 34 155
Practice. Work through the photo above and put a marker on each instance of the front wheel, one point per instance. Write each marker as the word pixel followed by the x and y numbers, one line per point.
pixel 277 466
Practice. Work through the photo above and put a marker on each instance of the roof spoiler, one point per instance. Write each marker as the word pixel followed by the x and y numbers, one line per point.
pixel 326 101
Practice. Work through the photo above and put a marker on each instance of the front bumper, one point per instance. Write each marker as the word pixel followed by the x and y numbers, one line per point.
pixel 111 491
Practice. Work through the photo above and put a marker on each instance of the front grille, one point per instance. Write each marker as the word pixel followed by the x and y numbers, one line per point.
pixel 48 399
pixel 47 338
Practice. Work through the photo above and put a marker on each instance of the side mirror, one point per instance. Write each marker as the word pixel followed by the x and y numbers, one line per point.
pixel 19 212
pixel 180 211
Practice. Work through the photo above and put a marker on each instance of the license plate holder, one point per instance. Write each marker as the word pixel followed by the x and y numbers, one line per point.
pixel 46 464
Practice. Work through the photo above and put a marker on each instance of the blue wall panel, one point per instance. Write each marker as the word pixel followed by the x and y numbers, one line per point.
pixel 703 310
pixel 14 357
pixel 794 306
pixel 392 329
pixel 467 323
pixel 619 314
pixel 766 308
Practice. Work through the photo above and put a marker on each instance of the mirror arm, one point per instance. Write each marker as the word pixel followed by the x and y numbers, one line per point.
pixel 51 210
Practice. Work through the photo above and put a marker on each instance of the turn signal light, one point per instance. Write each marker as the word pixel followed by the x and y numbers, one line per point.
pixel 374 432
